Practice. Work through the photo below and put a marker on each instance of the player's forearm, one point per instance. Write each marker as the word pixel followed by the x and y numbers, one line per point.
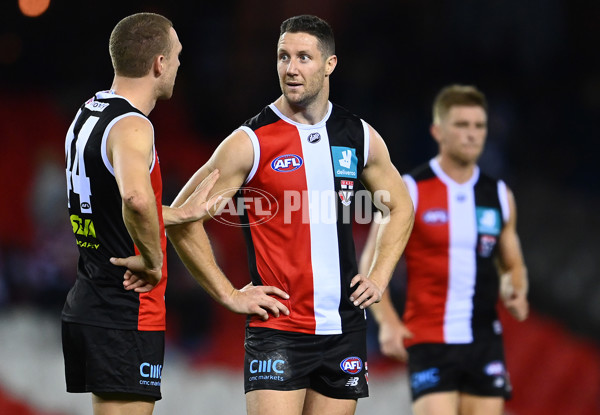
pixel 391 240
pixel 193 247
pixel 518 278
pixel 384 311
pixel 141 219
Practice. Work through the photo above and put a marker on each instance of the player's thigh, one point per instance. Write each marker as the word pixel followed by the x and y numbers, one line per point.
pixel 480 405
pixel 317 404
pixel 275 402
pixel 438 403
pixel 122 404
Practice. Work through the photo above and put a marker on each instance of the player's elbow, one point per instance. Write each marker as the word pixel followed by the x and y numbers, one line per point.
pixel 137 203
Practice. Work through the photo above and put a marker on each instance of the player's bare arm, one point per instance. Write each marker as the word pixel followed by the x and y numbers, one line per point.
pixel 511 265
pixel 233 158
pixel 196 206
pixel 130 151
pixel 384 182
pixel 392 331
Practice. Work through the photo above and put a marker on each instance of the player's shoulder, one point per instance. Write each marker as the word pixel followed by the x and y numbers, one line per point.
pixel 421 172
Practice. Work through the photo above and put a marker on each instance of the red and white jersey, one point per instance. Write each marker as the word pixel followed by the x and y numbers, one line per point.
pixel 304 243
pixel 452 285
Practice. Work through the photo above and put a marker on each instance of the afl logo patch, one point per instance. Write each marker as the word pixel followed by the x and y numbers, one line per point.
pixel 351 365
pixel 286 163
pixel 435 216
pixel 314 138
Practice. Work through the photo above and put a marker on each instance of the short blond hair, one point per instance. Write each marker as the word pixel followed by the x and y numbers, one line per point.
pixel 457 95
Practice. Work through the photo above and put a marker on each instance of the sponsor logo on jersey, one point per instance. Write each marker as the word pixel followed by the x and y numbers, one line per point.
pixel 425 379
pixel 346 192
pixel 345 162
pixel 351 365
pixel 286 163
pixel 435 216
pixel 313 138
pixel 93 105
pixel 488 220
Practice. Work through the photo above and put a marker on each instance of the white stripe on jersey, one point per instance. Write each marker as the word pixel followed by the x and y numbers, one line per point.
pixel 107 163
pixel 256 147
pixel 323 230
pixel 462 257
pixel 503 196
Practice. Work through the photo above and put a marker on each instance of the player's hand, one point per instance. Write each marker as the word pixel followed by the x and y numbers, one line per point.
pixel 366 292
pixel 391 339
pixel 196 206
pixel 514 299
pixel 517 305
pixel 137 277
pixel 258 300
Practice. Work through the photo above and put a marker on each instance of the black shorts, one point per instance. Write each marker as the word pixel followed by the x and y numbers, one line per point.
pixel 476 368
pixel 333 365
pixel 102 360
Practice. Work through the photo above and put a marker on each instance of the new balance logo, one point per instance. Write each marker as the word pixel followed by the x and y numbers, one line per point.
pixel 353 381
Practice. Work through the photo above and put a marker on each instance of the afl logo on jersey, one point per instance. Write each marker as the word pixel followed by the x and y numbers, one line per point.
pixel 286 163
pixel 435 216
pixel 314 138
pixel 351 365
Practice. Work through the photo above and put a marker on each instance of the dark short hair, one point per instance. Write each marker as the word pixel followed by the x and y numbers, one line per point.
pixel 136 41
pixel 457 95
pixel 314 26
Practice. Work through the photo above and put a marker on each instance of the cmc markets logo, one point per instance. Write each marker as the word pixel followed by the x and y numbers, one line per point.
pixel 249 207
pixel 351 365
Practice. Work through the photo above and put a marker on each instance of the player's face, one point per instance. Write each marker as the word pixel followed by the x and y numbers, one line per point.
pixel 461 133
pixel 171 65
pixel 302 68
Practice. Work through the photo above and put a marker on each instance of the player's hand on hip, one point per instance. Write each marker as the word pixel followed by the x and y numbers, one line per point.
pixel 366 292
pixel 259 300
pixel 137 276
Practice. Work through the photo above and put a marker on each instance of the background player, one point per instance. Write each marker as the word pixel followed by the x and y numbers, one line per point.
pixel 464 233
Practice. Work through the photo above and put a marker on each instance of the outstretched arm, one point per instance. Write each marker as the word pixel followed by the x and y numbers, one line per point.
pixel 391 196
pixel 197 206
pixel 511 267
pixel 233 158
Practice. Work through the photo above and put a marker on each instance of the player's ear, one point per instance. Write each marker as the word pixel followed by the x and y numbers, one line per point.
pixel 158 65
pixel 435 132
pixel 330 64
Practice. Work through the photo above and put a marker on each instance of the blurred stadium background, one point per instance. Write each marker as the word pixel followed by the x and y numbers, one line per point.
pixel 537 61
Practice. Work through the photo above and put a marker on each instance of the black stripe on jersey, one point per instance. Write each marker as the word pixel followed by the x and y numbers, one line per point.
pixel 487 283
pixel 346 130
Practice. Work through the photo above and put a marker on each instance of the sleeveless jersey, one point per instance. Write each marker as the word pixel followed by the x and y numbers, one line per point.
pixel 95 208
pixel 452 283
pixel 307 175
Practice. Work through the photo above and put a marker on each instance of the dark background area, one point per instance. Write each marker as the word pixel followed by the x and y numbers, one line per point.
pixel 537 61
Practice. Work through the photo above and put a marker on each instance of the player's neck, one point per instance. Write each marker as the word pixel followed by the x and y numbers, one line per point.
pixel 137 91
pixel 310 114
pixel 458 171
